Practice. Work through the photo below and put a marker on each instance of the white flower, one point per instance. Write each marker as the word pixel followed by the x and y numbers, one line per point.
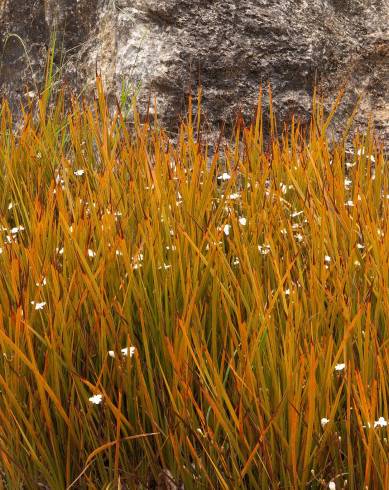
pixel 96 399
pixel 360 246
pixel 39 306
pixel 284 188
pixel 124 352
pixel 381 422
pixel 299 237
pixel 118 253
pixel 59 250
pixel 349 203
pixel 287 292
pixel 227 229
pixel 224 176
pixel 332 485
pixel 234 196
pixel 324 421
pixel 327 259
pixel 16 229
pixel 340 367
pixel 243 221
pixel 350 164
pixel 91 253
pixel 264 249
pixel 43 282
pixel 165 266
pixel 347 183
pixel 79 172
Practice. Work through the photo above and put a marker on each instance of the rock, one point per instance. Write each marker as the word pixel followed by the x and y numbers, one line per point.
pixel 165 47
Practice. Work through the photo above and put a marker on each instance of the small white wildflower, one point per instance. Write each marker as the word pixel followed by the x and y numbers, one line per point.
pixel 59 251
pixel 264 249
pixel 91 253
pixel 224 176
pixel 124 352
pixel 118 253
pixel 357 263
pixel 360 246
pixel 284 188
pixel 30 94
pixel 59 180
pixel 349 203
pixel 43 282
pixel 284 231
pixel 340 367
pixel 79 173
pixel 381 422
pixel 324 421
pixel 296 213
pixel 96 399
pixel 332 485
pixel 39 306
pixel 299 237
pixel 243 221
pixel 347 183
pixel 327 259
pixel 16 229
pixel 287 292
pixel 350 164
pixel 234 196
pixel 235 261
pixel 227 229
pixel 165 266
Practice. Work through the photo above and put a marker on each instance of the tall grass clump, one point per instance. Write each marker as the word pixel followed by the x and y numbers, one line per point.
pixel 175 318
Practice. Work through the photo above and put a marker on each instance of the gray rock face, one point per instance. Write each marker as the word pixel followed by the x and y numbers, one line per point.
pixel 165 47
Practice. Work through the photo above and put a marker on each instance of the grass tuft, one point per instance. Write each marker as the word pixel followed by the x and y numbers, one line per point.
pixel 171 315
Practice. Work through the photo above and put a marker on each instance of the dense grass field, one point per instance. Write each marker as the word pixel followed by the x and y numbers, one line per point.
pixel 170 317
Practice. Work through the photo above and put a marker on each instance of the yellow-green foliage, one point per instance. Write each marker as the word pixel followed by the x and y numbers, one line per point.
pixel 252 283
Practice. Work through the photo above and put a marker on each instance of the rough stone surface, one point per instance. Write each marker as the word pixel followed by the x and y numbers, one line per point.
pixel 165 47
